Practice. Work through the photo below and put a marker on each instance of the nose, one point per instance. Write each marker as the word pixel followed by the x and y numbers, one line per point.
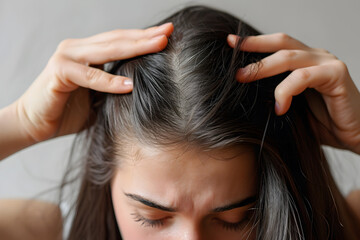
pixel 191 236
pixel 192 232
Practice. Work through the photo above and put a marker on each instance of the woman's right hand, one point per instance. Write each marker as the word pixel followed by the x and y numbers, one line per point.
pixel 335 114
pixel 57 102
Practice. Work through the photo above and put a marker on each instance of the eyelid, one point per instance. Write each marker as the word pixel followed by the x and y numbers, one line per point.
pixel 243 215
pixel 137 214
pixel 147 222
pixel 239 225
pixel 151 213
pixel 235 226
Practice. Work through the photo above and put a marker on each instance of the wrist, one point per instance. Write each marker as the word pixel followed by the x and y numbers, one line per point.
pixel 13 134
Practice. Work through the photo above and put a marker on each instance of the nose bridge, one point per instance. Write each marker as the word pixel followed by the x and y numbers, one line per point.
pixel 192 235
pixel 192 231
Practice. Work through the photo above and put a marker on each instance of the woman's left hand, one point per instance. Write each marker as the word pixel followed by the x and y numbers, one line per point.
pixel 311 68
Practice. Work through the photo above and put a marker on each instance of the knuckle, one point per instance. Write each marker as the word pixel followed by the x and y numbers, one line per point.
pixel 65 44
pixel 280 92
pixel 322 50
pixel 55 60
pixel 91 75
pixel 111 50
pixel 82 59
pixel 287 54
pixel 326 53
pixel 55 64
pixel 283 38
pixel 302 74
pixel 340 65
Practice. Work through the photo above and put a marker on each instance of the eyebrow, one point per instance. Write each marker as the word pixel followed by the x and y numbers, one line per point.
pixel 149 203
pixel 238 204
pixel 153 204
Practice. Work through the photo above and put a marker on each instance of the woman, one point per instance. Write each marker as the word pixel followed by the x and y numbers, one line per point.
pixel 191 153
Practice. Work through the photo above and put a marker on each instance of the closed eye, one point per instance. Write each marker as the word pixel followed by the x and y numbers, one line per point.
pixel 240 225
pixel 148 222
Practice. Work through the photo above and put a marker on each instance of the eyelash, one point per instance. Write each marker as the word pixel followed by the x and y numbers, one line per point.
pixel 145 222
pixel 234 226
pixel 239 225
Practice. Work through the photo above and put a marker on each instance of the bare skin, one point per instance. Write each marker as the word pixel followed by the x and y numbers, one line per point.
pixel 353 199
pixel 311 68
pixel 29 219
pixel 56 104
pixel 191 184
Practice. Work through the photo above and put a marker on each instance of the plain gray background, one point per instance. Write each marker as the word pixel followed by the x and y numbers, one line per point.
pixel 31 30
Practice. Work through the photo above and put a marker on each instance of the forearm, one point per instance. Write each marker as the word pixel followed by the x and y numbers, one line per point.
pixel 13 136
pixel 29 219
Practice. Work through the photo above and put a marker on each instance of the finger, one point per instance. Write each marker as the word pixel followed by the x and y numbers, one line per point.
pixel 72 75
pixel 267 43
pixel 317 77
pixel 132 34
pixel 100 53
pixel 279 62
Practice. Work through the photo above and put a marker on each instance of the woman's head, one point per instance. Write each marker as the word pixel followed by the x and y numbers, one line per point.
pixel 192 139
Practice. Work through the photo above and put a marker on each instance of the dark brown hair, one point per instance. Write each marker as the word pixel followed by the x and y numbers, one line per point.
pixel 188 94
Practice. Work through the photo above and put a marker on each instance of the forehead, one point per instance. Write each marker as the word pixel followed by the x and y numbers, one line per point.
pixel 182 173
pixel 137 152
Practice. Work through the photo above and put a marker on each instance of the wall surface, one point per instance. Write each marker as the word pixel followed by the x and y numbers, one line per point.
pixel 31 29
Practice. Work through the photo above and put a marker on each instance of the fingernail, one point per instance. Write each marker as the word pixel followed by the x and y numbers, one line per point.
pixel 232 39
pixel 128 82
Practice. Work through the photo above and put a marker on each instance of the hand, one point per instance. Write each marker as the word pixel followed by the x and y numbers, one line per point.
pixel 311 68
pixel 57 102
